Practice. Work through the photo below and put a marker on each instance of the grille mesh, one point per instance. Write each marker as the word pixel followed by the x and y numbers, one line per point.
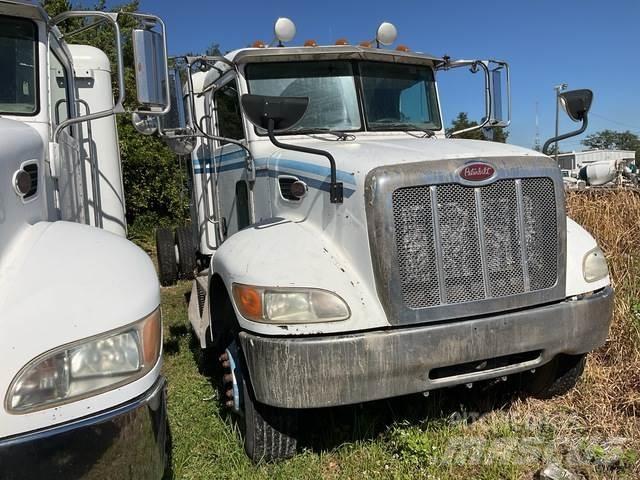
pixel 444 259
pixel 539 226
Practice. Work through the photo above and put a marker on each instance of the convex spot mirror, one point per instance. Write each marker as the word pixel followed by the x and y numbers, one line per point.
pixel 151 68
pixel 576 103
pixel 285 112
pixel 180 145
pixel 144 124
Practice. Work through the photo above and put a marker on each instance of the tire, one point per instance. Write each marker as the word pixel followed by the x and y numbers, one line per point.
pixel 186 252
pixel 557 377
pixel 269 432
pixel 167 264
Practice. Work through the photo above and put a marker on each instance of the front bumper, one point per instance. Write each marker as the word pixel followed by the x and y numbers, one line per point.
pixel 127 442
pixel 311 372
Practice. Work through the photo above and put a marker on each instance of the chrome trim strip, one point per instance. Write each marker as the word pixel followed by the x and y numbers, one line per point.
pixel 481 242
pixel 435 219
pixel 523 241
pixel 101 417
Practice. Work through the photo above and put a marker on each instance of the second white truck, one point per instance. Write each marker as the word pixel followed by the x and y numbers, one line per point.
pixel 351 250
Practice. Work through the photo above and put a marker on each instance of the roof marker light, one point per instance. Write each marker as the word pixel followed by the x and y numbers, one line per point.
pixel 284 30
pixel 258 44
pixel 386 34
pixel 366 44
pixel 342 41
pixel 310 43
pixel 402 48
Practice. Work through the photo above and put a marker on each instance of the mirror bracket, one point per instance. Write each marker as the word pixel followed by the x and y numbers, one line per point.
pixel 474 67
pixel 336 190
pixel 491 69
pixel 552 140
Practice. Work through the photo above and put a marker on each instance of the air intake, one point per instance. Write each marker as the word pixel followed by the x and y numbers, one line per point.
pixel 32 170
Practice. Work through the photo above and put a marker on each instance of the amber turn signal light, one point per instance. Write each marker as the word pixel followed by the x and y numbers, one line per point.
pixel 249 301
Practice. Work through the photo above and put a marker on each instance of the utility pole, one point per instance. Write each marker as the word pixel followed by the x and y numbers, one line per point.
pixel 558 89
pixel 536 142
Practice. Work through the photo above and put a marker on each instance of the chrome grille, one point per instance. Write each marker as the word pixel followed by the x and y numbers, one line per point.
pixel 458 244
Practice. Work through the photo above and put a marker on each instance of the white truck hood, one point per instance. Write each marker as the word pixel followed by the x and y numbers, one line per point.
pixel 368 151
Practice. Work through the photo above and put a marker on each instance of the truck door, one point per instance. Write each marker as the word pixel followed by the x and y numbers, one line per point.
pixel 236 204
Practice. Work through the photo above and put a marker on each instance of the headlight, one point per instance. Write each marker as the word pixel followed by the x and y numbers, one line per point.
pixel 88 367
pixel 289 305
pixel 594 265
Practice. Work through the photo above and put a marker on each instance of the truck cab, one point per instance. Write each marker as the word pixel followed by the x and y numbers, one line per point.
pixel 355 251
pixel 81 334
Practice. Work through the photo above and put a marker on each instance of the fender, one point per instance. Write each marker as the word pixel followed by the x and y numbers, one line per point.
pixel 64 282
pixel 282 253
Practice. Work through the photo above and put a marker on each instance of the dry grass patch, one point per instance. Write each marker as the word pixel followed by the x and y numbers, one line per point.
pixel 606 404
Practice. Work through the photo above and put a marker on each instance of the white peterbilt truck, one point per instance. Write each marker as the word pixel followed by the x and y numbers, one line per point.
pixel 352 250
pixel 80 325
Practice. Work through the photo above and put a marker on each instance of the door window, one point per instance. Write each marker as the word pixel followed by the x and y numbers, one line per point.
pixel 19 66
pixel 228 112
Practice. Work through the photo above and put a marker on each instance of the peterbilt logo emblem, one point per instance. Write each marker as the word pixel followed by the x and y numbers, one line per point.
pixel 477 172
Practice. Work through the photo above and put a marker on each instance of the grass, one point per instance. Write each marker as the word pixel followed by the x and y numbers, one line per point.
pixel 488 432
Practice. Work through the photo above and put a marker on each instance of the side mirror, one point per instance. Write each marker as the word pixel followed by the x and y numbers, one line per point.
pixel 152 82
pixel 284 112
pixel 576 103
pixel 500 94
pixel 176 118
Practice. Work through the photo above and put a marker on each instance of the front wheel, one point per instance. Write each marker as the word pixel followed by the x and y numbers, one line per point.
pixel 557 377
pixel 269 432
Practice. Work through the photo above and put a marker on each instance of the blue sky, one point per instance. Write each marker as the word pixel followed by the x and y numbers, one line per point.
pixel 584 43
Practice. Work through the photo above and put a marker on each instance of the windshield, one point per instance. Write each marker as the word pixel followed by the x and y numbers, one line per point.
pixel 18 66
pixel 330 86
pixel 395 96
pixel 399 97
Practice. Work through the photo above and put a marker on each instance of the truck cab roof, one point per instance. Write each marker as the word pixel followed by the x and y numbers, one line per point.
pixel 331 52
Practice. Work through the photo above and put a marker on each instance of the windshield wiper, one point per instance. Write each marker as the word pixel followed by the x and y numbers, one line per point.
pixel 340 135
pixel 406 128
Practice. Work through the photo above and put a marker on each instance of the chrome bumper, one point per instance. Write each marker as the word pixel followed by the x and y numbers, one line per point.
pixel 127 442
pixel 325 371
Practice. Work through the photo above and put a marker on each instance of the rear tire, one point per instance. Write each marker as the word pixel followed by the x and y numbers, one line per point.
pixel 186 252
pixel 167 263
pixel 557 377
pixel 269 432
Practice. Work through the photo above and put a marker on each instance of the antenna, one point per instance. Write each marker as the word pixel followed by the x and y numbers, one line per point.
pixel 536 142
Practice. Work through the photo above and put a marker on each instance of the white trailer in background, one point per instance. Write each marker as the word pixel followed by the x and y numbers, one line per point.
pixel 353 251
pixel 80 325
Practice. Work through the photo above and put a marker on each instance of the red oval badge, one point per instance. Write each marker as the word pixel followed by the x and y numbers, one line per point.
pixel 477 172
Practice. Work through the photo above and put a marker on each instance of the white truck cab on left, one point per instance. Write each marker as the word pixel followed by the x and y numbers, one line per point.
pixel 80 325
